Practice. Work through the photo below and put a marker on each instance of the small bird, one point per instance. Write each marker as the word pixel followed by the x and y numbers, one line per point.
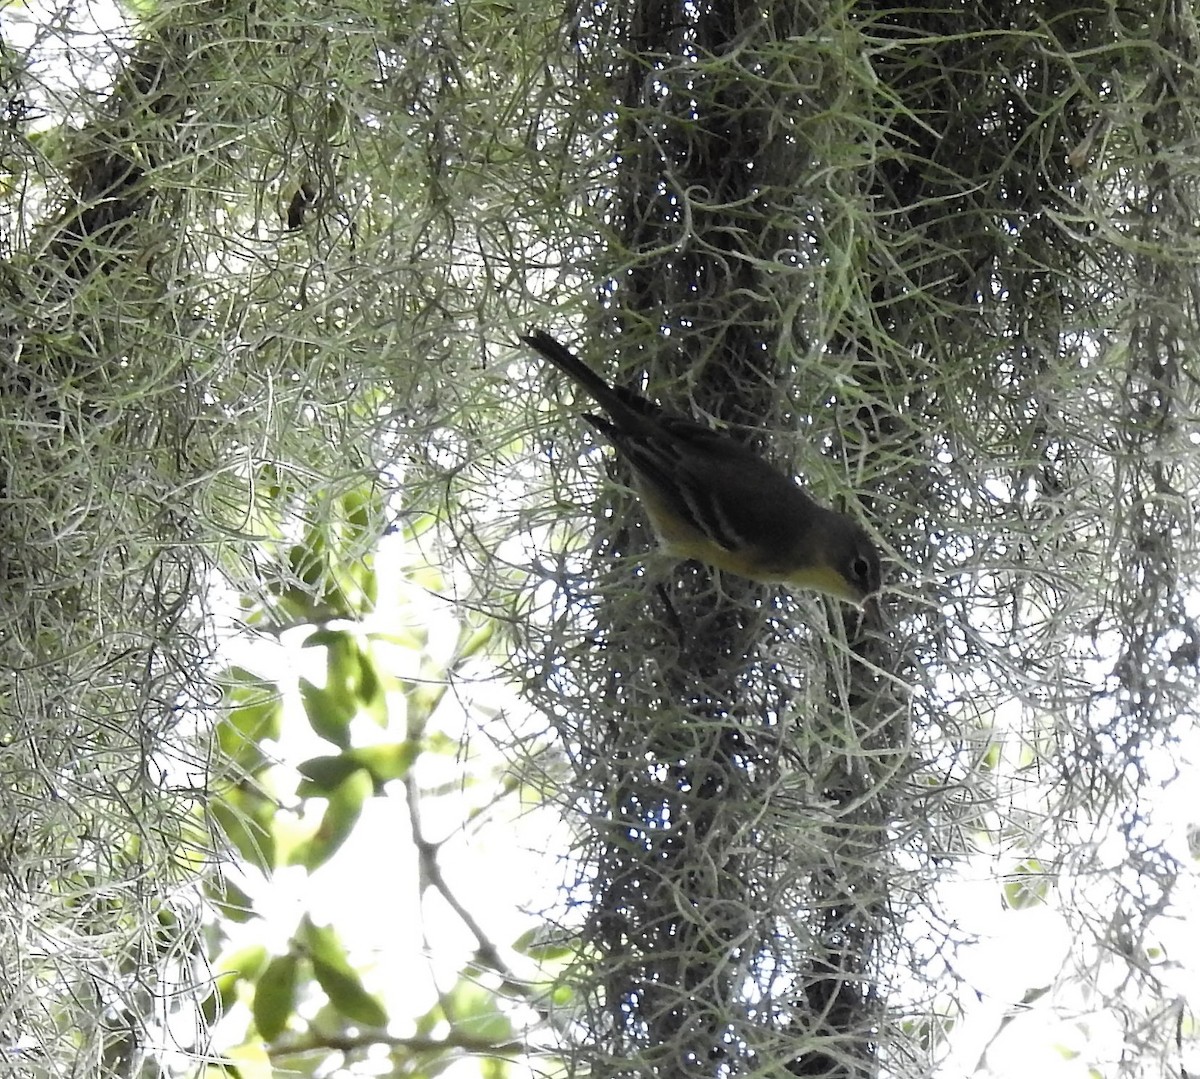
pixel 710 498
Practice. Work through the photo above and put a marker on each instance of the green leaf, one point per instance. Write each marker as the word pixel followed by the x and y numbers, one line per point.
pixel 337 822
pixel 362 507
pixel 246 818
pixel 307 560
pixel 254 712
pixel 352 684
pixel 535 944
pixel 495 1067
pixel 246 1061
pixel 364 577
pixel 243 964
pixel 475 1013
pixel 321 942
pixel 230 900
pixel 142 9
pixel 343 666
pixel 323 775
pixel 275 996
pixel 1027 886
pixel 338 978
pixel 329 713
pixel 992 757
pixel 440 742
pixel 474 639
pixel 384 762
pixel 372 697
pixel 427 578
pixel 387 761
pixel 419 524
pixel 414 638
pixel 324 638
pixel 422 699
pixel 296 605
pixel 347 995
pixel 351 670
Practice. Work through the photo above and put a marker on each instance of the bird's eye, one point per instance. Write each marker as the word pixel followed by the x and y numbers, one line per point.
pixel 861 568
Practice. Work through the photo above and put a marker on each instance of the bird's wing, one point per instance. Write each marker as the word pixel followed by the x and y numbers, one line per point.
pixel 722 490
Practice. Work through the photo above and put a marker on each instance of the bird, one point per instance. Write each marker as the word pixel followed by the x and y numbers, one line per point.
pixel 710 498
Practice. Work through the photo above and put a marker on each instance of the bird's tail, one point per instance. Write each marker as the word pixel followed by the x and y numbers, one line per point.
pixel 619 403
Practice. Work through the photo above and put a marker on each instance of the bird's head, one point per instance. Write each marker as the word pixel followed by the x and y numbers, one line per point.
pixel 840 560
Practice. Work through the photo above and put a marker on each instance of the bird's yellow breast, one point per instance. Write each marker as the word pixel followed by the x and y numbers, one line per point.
pixel 678 538
pixel 820 577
